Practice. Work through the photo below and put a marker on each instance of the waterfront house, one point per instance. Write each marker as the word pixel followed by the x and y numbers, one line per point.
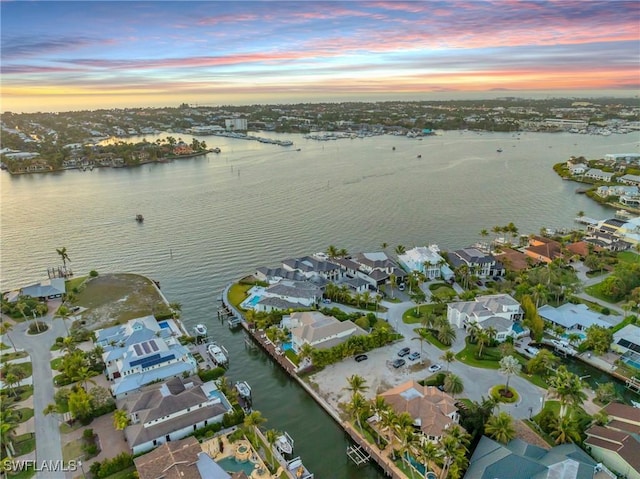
pixel 318 330
pixel 598 175
pixel 432 410
pixel 426 260
pixel 627 340
pixel 479 263
pixel 274 275
pixel 630 180
pixel 543 249
pixel 521 460
pixel 514 260
pixel 617 444
pixel 375 268
pixel 311 267
pixel 576 317
pixel 499 311
pixel 287 294
pixel 143 351
pixel 617 190
pixel 42 291
pixel 165 412
pixel 182 459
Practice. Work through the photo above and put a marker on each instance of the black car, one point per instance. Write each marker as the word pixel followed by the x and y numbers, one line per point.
pixel 398 363
pixel 361 357
pixel 404 351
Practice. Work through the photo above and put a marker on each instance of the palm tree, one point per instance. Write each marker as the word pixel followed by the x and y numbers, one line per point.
pixel 342 252
pixel 446 333
pixel 565 429
pixel 9 422
pixel 392 283
pixel 120 419
pixel 453 384
pixel 400 249
pixel 272 436
pixel 332 251
pixel 384 245
pixel 63 256
pixel 428 453
pixel 422 340
pixel 5 327
pixel 253 420
pixel 388 422
pixel 357 384
pixel 509 366
pixel 500 428
pixel 380 409
pixel 63 313
pixel 483 339
pixel 568 388
pixel 357 406
pixel 448 357
pixel 366 297
pixel 305 351
pixel 10 379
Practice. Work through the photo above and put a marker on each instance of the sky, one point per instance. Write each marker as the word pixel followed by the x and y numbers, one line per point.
pixel 62 56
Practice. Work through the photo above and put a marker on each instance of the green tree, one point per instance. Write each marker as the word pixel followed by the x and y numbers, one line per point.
pixel 272 436
pixel 598 339
pixel 543 362
pixel 532 319
pixel 606 392
pixel 63 256
pixel 448 357
pixel 356 384
pixel 565 429
pixel 357 405
pixel 9 422
pixel 428 453
pixel 252 421
pixel 446 333
pixel 453 384
pixel 392 283
pixel 500 428
pixel 5 327
pixel 332 251
pixel 509 366
pixel 120 419
pixel 400 249
pixel 568 388
pixel 63 313
pixel 79 403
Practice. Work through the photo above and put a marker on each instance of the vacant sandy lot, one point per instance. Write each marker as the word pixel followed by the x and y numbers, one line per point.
pixel 376 370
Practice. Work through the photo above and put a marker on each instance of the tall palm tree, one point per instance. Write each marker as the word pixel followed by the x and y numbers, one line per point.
pixel 254 420
pixel 380 409
pixel 483 339
pixel 5 327
pixel 388 421
pixel 448 357
pixel 446 333
pixel 9 422
pixel 63 313
pixel 392 283
pixel 509 366
pixel 565 429
pixel 428 453
pixel 357 406
pixel 453 384
pixel 422 340
pixel 63 256
pixel 272 436
pixel 568 388
pixel 366 297
pixel 500 428
pixel 384 245
pixel 400 249
pixel 357 384
pixel 332 251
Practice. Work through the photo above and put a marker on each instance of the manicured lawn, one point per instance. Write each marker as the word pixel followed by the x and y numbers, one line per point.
pixel 25 413
pixel 24 443
pixel 66 429
pixel 26 473
pixel 428 335
pixel 55 363
pixel 4 346
pixel 24 368
pixel 596 291
pixel 495 394
pixel 238 293
pixel 127 473
pixel 490 357
pixel 628 257
pixel 72 450
pixel 74 283
pixel 410 316
pixel 23 393
pixel 12 356
pixel 293 357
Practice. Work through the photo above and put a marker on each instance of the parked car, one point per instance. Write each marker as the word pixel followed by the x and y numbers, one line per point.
pixel 398 363
pixel 435 367
pixel 326 301
pixel 401 286
pixel 414 355
pixel 404 351
pixel 361 357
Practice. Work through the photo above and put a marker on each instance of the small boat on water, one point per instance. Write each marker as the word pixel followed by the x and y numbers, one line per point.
pixel 218 355
pixel 499 150
pixel 284 444
pixel 244 395
pixel 200 330
pixel 139 218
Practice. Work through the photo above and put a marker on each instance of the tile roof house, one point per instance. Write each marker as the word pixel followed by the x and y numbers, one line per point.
pixel 48 289
pixel 520 460
pixel 183 459
pixel 500 311
pixel 432 410
pixel 311 267
pixel 514 260
pixel 141 352
pixel 288 294
pixel 479 263
pixel 161 413
pixel 617 444
pixel 543 249
pixel 318 330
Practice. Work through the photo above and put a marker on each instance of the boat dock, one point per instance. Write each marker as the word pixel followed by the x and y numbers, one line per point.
pixel 584 220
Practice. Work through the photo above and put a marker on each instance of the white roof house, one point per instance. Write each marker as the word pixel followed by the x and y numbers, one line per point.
pixel 627 339
pixel 462 313
pixel 318 330
pixel 597 174
pixel 426 260
pixel 576 316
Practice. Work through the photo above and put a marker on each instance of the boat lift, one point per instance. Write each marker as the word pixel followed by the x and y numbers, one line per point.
pixel 358 455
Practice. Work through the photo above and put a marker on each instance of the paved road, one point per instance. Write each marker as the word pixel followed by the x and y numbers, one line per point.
pixel 477 381
pixel 48 441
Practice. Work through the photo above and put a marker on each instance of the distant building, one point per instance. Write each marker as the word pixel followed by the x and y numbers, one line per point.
pixel 42 291
pixel 235 124
pixel 479 263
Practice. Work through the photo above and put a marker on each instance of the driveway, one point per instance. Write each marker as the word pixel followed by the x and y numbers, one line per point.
pixel 380 375
pixel 48 444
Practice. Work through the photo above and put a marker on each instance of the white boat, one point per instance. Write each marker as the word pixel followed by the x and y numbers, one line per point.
pixel 635 404
pixel 200 329
pixel 218 354
pixel 284 444
pixel 244 390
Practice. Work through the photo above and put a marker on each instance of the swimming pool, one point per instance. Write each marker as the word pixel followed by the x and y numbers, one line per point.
pixel 251 302
pixel 230 464
pixel 164 325
pixel 582 335
pixel 287 346
pixel 632 363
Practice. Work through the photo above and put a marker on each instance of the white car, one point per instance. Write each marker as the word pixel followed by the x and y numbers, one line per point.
pixel 435 367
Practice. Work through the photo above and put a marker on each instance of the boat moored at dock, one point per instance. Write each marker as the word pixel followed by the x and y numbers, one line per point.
pixel 218 354
pixel 244 395
pixel 200 330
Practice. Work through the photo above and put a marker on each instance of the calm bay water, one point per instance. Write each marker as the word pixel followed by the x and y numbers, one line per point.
pixel 211 219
